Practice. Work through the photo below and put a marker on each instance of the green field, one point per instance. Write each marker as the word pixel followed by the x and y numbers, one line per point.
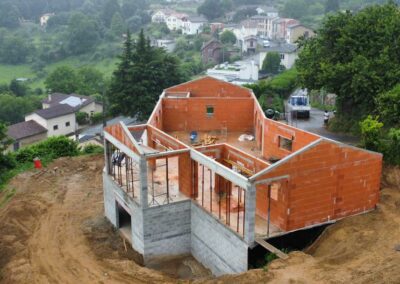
pixel 10 72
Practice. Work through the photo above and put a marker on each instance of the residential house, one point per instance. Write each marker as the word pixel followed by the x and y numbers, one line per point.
pixel 58 120
pixel 198 178
pixel 25 133
pixel 211 52
pixel 175 21
pixel 79 103
pixel 45 18
pixel 288 53
pixel 280 27
pixel 249 44
pixel 161 16
pixel 216 27
pixel 238 73
pixel 294 32
pixel 193 25
pixel 167 44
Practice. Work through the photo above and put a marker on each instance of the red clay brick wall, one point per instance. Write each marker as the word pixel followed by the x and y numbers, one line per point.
pixel 154 134
pixel 210 87
pixel 190 114
pixel 328 182
pixel 156 118
pixel 273 129
pixel 258 124
pixel 118 133
pixel 278 207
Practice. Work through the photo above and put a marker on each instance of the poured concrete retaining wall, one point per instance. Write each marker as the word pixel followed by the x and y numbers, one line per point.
pixel 215 246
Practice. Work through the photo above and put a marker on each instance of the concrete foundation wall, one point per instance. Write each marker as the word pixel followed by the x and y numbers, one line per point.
pixel 215 246
pixel 113 194
pixel 167 230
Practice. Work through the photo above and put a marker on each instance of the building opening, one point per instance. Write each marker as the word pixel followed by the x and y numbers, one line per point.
pixel 124 223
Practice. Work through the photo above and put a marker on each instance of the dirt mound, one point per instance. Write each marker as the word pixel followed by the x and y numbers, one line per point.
pixel 42 237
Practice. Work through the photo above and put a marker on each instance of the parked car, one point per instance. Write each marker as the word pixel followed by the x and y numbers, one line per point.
pixel 266 43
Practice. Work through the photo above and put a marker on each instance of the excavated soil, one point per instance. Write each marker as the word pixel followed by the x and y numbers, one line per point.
pixel 53 231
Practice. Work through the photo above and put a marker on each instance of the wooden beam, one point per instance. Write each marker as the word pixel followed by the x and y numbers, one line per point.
pixel 272 249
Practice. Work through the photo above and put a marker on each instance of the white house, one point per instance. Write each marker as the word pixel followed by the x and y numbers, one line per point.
pixel 287 52
pixel 161 16
pixel 167 44
pixel 78 102
pixel 44 19
pixel 193 25
pixel 58 120
pixel 239 72
pixel 175 21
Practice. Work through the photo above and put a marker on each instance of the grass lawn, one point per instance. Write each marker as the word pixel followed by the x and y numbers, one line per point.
pixel 9 72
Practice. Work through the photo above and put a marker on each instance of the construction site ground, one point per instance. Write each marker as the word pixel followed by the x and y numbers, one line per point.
pixel 53 231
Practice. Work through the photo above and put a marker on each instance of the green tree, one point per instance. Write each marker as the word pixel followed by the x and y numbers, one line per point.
pixel 295 9
pixel 272 63
pixel 353 57
pixel 63 79
pixel 212 9
pixel 6 160
pixel 117 24
pixel 388 104
pixel 143 72
pixel 91 81
pixel 17 88
pixel 13 109
pixel 110 8
pixel 9 14
pixel 82 34
pixel 15 49
pixel 332 6
pixel 228 37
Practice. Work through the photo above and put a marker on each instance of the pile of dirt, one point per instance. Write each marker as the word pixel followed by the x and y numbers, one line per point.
pixel 358 249
pixel 42 238
pixel 53 231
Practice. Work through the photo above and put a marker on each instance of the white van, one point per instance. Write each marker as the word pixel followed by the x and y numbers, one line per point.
pixel 299 104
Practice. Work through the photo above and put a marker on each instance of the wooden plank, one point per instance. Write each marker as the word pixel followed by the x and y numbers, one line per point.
pixel 272 249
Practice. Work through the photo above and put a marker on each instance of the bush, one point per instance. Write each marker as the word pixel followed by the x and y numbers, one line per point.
pixel 52 148
pixel 371 133
pixel 96 117
pixel 82 118
pixel 392 149
pixel 92 149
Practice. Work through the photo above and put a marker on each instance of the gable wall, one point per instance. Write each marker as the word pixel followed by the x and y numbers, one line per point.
pixel 328 182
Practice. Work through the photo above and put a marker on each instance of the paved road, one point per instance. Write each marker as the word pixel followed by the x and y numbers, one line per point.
pixel 315 124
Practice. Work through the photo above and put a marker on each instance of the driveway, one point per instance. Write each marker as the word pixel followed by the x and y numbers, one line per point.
pixel 315 124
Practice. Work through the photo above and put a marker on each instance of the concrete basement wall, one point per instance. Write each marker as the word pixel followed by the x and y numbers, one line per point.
pixel 167 230
pixel 113 194
pixel 216 246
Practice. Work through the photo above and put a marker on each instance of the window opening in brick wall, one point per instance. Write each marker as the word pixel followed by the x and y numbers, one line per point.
pixel 285 143
pixel 210 110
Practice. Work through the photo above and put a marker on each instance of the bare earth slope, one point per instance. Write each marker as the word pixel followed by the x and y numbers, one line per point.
pixel 53 231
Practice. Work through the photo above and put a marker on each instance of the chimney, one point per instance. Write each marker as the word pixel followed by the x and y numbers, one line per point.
pixel 49 97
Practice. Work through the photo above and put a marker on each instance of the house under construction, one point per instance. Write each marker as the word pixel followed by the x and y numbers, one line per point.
pixel 210 175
